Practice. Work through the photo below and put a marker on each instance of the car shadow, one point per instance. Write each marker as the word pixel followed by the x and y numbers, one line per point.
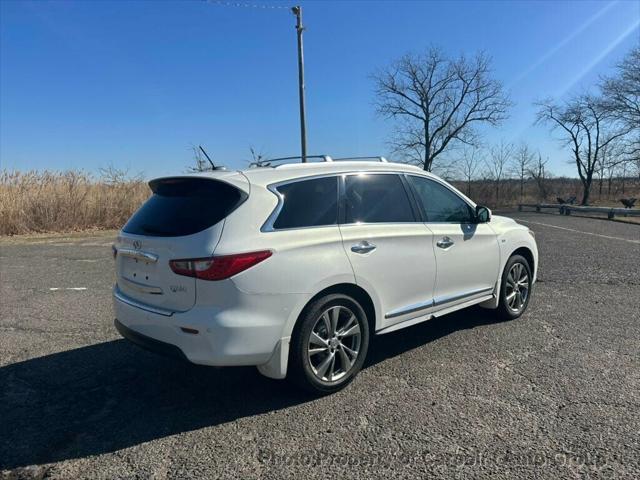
pixel 105 397
pixel 468 230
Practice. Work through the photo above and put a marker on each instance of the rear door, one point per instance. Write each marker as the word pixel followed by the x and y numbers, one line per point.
pixel 183 218
pixel 389 248
pixel 467 253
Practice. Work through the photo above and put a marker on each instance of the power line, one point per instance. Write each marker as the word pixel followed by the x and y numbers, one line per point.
pixel 262 6
pixel 297 11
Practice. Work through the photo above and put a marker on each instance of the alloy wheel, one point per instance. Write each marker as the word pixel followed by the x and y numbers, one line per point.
pixel 334 344
pixel 517 288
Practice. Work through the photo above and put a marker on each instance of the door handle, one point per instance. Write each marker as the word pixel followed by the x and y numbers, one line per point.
pixel 446 242
pixel 363 247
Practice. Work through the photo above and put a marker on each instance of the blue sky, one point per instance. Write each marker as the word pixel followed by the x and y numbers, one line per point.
pixel 89 83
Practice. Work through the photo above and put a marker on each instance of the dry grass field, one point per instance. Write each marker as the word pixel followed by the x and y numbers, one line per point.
pixel 45 201
pixel 607 193
pixel 51 201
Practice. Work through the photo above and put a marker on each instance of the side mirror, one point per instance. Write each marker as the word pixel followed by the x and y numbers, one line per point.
pixel 483 214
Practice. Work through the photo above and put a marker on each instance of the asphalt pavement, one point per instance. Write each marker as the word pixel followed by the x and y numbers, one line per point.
pixel 554 394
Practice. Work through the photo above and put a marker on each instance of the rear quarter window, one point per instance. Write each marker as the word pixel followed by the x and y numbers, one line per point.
pixel 184 206
pixel 308 203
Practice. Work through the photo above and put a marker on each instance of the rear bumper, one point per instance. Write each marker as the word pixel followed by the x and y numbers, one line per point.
pixel 250 333
pixel 149 343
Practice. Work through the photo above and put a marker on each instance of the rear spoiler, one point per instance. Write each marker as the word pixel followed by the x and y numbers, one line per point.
pixel 233 178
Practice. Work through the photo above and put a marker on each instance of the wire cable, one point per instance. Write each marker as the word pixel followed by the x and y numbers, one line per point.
pixel 248 5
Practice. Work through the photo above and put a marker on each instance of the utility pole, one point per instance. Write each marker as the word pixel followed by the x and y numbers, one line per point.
pixel 297 11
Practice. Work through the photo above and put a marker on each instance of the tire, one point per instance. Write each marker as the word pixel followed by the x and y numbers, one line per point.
pixel 510 306
pixel 322 357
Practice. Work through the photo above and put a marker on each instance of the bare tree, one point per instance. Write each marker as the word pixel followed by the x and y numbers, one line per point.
pixel 624 167
pixel 469 164
pixel 622 90
pixel 521 164
pixel 609 161
pixel 257 156
pixel 600 172
pixel 499 157
pixel 200 162
pixel 586 126
pixel 112 175
pixel 621 93
pixel 437 101
pixel 635 162
pixel 540 175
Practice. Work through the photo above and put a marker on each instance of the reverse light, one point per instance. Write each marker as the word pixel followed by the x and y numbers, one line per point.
pixel 218 267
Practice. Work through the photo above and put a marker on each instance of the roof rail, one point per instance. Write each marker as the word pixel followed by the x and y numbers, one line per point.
pixel 269 162
pixel 323 158
pixel 360 159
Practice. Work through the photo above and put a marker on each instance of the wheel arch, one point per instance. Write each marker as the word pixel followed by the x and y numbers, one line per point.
pixel 351 289
pixel 527 254
pixel 277 366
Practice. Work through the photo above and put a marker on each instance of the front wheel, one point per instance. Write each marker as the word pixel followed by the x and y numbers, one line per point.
pixel 329 344
pixel 515 288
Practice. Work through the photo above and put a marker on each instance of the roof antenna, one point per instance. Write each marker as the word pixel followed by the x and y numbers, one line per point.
pixel 213 167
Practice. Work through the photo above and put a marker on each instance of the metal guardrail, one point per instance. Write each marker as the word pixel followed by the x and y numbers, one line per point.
pixel 538 206
pixel 611 212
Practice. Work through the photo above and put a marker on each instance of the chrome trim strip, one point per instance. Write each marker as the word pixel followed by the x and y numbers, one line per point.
pixel 141 287
pixel 415 307
pixel 140 255
pixel 436 302
pixel 118 295
pixel 364 224
pixel 268 225
pixel 273 188
pixel 405 323
pixel 452 298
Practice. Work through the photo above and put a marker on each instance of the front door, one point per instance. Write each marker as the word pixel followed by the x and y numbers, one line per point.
pixel 467 253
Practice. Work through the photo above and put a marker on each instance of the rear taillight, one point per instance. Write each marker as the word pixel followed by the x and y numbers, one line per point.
pixel 219 267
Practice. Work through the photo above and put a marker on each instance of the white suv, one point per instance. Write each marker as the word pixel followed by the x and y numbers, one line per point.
pixel 293 267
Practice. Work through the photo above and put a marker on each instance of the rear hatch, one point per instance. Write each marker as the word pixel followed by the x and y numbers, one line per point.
pixel 183 218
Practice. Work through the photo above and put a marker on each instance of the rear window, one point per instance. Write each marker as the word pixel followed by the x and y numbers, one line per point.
pixel 309 203
pixel 183 206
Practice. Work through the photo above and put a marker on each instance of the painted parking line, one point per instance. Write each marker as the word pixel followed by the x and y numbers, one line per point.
pixel 578 231
pixel 77 289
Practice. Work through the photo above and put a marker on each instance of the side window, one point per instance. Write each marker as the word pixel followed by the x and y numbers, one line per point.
pixel 376 198
pixel 439 203
pixel 309 203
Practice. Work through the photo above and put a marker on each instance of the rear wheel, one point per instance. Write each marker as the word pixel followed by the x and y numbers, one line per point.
pixel 329 344
pixel 515 288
